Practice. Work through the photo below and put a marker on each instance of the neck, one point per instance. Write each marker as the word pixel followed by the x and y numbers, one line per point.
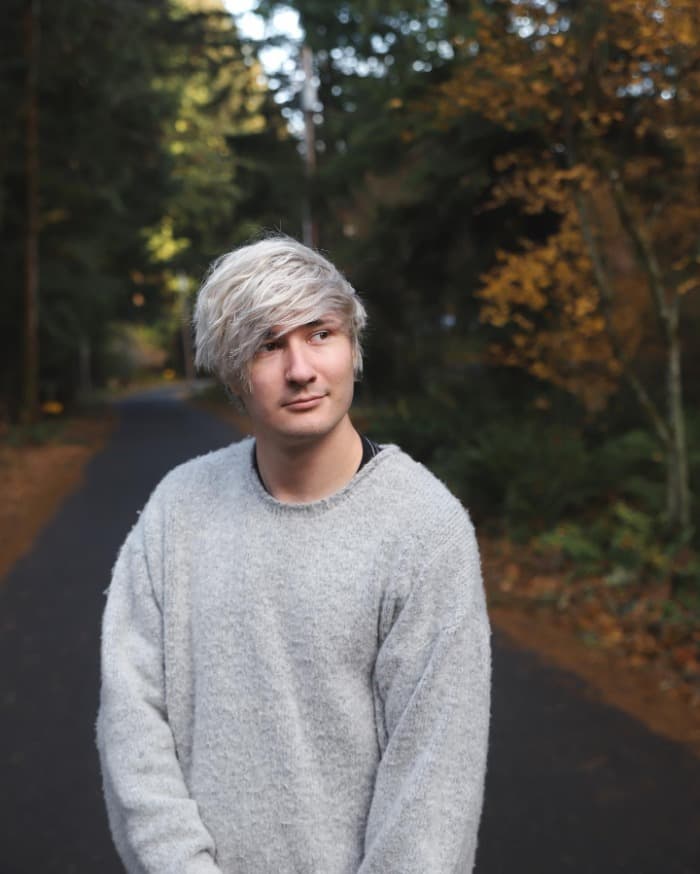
pixel 305 471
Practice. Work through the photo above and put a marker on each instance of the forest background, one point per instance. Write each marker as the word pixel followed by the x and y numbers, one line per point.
pixel 511 185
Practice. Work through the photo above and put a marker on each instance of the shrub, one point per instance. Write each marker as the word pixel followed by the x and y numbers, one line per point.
pixel 525 474
pixel 575 543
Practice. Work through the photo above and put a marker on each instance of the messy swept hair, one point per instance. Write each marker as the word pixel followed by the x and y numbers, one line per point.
pixel 276 282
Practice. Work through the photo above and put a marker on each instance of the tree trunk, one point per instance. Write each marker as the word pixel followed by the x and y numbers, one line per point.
pixel 309 97
pixel 186 326
pixel 668 312
pixel 606 292
pixel 30 387
pixel 84 367
pixel 677 485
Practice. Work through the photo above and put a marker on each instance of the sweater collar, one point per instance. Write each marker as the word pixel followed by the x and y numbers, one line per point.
pixel 365 474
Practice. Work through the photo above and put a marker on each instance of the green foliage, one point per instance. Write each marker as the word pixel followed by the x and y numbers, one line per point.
pixel 527 474
pixel 684 608
pixel 134 351
pixel 140 108
pixel 632 541
pixel 414 424
pixel 620 541
pixel 503 462
pixel 573 541
pixel 623 463
pixel 37 434
pixel 396 198
pixel 102 175
pixel 225 141
pixel 693 436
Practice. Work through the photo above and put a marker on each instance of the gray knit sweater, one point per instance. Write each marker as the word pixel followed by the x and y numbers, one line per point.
pixel 296 688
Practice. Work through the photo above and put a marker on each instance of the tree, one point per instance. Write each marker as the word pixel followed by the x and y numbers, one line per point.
pixel 140 107
pixel 100 160
pixel 601 100
pixel 221 100
pixel 233 162
pixel 30 388
pixel 390 190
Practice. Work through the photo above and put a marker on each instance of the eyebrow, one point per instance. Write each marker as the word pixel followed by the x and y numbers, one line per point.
pixel 331 320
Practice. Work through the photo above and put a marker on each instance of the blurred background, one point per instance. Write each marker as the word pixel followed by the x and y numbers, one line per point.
pixel 513 187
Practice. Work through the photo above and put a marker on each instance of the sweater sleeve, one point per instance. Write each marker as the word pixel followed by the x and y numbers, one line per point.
pixel 155 824
pixel 432 690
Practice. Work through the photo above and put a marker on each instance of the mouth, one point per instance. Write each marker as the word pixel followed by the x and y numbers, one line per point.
pixel 305 403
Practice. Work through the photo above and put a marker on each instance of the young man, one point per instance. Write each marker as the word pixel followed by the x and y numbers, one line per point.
pixel 295 658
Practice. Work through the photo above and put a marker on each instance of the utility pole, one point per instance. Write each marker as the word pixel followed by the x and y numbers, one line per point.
pixel 30 376
pixel 309 98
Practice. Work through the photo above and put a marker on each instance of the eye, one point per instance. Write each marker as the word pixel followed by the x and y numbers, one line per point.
pixel 269 346
pixel 323 334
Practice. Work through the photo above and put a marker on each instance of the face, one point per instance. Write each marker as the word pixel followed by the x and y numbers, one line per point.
pixel 301 383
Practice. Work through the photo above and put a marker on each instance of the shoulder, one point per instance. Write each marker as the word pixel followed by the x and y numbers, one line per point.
pixel 420 502
pixel 436 558
pixel 199 480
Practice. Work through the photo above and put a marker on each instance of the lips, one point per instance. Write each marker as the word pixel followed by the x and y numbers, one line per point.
pixel 304 403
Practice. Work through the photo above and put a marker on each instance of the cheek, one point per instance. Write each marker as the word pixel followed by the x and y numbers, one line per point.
pixel 345 384
pixel 263 380
pixel 343 366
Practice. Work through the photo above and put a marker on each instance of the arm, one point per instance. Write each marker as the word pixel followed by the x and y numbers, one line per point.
pixel 432 687
pixel 155 824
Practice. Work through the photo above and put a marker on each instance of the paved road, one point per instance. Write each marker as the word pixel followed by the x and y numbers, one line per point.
pixel 573 785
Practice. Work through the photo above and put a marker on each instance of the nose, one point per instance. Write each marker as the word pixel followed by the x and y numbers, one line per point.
pixel 298 365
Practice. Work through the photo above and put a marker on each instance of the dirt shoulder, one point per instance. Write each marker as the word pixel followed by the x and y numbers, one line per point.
pixel 35 479
pixel 628 658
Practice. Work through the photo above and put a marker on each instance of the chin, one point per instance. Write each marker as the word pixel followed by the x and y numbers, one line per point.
pixel 308 430
pixel 305 427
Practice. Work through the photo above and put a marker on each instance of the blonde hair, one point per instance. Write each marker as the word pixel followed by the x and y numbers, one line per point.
pixel 276 282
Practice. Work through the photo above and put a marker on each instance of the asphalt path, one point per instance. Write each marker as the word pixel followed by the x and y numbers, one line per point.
pixel 573 785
